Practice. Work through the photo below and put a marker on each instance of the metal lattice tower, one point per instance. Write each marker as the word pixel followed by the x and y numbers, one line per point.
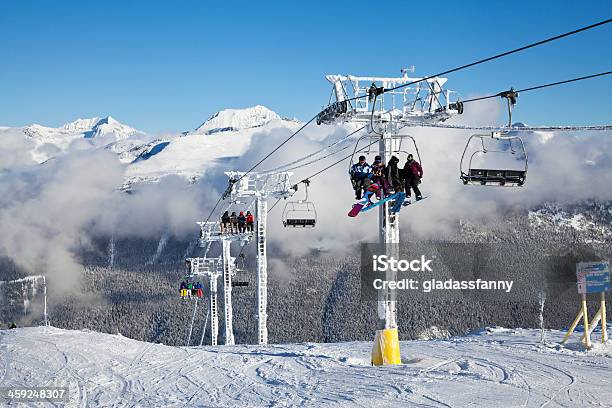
pixel 212 268
pixel 369 100
pixel 211 232
pixel 261 186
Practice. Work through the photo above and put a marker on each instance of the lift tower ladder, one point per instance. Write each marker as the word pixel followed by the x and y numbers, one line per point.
pixel 261 186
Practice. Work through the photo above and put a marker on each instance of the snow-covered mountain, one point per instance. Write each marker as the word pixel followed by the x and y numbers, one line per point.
pixel 48 142
pixel 225 134
pixel 236 119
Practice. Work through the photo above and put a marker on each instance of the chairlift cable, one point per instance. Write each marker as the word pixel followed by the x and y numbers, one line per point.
pixel 275 149
pixel 282 168
pixel 319 159
pixel 538 86
pixel 503 54
pixel 339 161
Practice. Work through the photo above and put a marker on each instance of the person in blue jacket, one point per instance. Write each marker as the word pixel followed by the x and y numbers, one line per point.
pixel 361 174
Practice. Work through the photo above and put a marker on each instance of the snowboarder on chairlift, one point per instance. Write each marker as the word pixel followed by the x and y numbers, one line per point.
pixel 378 176
pixel 233 223
pixel 199 291
pixel 394 175
pixel 241 223
pixel 183 289
pixel 225 222
pixel 414 173
pixel 361 174
pixel 250 221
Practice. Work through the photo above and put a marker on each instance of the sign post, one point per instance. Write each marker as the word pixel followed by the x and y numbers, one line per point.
pixel 592 277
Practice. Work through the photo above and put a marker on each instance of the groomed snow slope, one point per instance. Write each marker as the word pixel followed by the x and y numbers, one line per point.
pixel 501 368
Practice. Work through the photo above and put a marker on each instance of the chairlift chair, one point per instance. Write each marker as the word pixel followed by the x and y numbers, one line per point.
pixel 300 213
pixel 494 176
pixel 367 151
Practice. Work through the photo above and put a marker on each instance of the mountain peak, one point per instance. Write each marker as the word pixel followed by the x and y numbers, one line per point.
pixel 90 123
pixel 237 119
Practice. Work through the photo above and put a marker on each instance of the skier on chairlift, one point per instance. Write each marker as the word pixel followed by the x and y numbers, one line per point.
pixel 394 175
pixel 183 289
pixel 225 222
pixel 413 173
pixel 199 291
pixel 241 223
pixel 233 223
pixel 361 174
pixel 250 221
pixel 378 177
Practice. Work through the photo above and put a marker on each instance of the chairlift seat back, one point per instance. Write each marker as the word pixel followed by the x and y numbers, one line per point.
pixel 484 176
pixel 300 222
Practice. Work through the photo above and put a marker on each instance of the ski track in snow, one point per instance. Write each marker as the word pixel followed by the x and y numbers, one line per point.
pixel 505 368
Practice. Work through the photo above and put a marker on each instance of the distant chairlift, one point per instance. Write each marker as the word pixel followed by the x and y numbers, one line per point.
pixel 497 176
pixel 300 213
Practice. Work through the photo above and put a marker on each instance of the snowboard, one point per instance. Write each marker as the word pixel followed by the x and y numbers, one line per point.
pixel 366 204
pixel 355 210
pixel 406 203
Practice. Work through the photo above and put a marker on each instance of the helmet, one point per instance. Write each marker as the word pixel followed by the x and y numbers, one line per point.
pixel 241 213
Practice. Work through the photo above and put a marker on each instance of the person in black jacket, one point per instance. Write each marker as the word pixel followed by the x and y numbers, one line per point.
pixel 225 222
pixel 395 175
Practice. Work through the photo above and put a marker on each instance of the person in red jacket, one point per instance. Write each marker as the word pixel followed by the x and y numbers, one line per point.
pixel 250 221
pixel 414 173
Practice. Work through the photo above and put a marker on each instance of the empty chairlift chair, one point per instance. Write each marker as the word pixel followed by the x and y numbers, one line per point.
pixel 300 213
pixel 486 174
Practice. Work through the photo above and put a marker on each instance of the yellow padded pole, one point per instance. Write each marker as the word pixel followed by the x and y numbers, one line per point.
pixel 386 348
pixel 585 316
pixel 604 333
pixel 573 326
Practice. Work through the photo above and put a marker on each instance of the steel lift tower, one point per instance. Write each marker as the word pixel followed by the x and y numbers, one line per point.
pixel 211 232
pixel 373 102
pixel 213 269
pixel 261 186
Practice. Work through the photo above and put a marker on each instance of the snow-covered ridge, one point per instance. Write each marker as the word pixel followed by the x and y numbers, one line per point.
pixel 88 128
pixel 237 119
pixel 228 135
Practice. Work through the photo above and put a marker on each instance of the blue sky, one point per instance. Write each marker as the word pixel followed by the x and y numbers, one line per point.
pixel 167 66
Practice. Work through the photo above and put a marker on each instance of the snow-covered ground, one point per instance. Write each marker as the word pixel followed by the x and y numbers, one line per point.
pixel 500 368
